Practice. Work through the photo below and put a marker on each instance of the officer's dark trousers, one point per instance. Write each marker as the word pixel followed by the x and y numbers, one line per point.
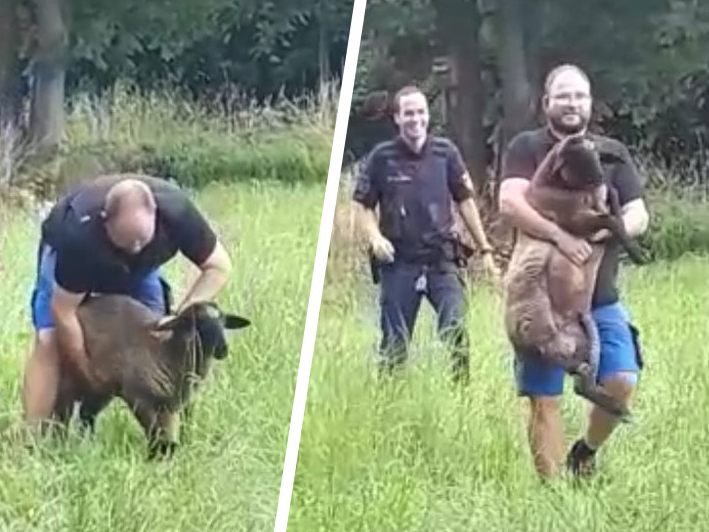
pixel 400 301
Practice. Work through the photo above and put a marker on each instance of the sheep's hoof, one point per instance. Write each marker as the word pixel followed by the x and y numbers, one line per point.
pixel 161 450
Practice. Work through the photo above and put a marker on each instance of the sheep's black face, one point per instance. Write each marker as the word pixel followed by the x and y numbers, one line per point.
pixel 209 323
pixel 581 165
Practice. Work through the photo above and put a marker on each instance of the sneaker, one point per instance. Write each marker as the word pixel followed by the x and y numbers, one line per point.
pixel 581 460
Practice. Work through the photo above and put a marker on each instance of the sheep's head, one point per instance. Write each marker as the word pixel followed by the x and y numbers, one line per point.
pixel 579 162
pixel 206 322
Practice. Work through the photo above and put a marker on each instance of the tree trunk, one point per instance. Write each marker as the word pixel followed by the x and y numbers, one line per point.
pixel 458 25
pixel 533 27
pixel 323 49
pixel 10 96
pixel 48 74
pixel 516 89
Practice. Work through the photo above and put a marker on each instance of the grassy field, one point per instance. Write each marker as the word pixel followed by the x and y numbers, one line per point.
pixel 416 454
pixel 228 477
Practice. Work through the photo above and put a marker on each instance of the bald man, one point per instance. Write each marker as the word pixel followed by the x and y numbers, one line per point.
pixel 110 236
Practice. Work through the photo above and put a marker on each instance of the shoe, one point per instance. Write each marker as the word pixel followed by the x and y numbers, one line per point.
pixel 581 460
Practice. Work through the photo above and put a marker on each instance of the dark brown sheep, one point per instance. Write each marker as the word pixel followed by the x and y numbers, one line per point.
pixel 568 188
pixel 153 368
pixel 547 296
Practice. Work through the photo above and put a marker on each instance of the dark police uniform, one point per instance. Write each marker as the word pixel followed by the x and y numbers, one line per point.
pixel 415 193
pixel 75 250
pixel 619 343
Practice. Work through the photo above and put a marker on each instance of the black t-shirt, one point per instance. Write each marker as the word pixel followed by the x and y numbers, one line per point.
pixel 87 261
pixel 414 192
pixel 527 150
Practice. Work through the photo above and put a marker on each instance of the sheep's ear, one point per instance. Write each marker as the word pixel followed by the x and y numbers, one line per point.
pixel 235 322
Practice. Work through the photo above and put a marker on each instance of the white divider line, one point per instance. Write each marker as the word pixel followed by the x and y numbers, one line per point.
pixel 321 254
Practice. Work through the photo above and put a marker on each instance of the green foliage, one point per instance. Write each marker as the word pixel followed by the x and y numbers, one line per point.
pixel 678 225
pixel 261 46
pixel 647 62
pixel 165 135
pixel 655 90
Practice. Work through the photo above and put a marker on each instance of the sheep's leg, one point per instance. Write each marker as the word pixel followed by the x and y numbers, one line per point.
pixel 587 222
pixel 597 395
pixel 168 427
pixel 633 249
pixel 530 321
pixel 186 416
pixel 585 379
pixel 160 426
pixel 90 408
pixel 64 402
pixel 594 342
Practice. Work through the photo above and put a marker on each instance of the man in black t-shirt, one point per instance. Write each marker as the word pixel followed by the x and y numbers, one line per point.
pixel 110 236
pixel 415 179
pixel 567 105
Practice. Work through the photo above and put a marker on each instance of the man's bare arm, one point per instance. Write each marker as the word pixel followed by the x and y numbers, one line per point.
pixel 70 336
pixel 635 217
pixel 471 216
pixel 212 276
pixel 515 208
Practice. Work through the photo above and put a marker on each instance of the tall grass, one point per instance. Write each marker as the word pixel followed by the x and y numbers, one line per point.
pixel 227 476
pixel 194 143
pixel 417 454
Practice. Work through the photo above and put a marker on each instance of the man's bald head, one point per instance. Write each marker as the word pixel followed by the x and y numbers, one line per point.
pixel 130 211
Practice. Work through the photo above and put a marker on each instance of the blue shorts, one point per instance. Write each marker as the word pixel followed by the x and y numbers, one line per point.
pixel 619 353
pixel 149 290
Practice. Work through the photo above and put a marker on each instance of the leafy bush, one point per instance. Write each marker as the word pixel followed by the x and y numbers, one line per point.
pixel 679 224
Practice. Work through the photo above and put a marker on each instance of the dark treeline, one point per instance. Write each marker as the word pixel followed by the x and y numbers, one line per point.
pixel 483 62
pixel 211 50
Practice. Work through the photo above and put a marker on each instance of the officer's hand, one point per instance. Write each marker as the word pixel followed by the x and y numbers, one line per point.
pixel 383 249
pixel 576 249
pixel 491 269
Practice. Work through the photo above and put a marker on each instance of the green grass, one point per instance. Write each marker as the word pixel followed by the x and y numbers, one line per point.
pixel 417 455
pixel 228 477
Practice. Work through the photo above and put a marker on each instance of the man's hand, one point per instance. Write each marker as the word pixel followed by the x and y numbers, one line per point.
pixel 366 221
pixel 491 269
pixel 577 250
pixel 471 217
pixel 515 208
pixel 382 249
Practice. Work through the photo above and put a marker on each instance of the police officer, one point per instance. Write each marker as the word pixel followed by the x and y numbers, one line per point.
pixel 110 236
pixel 414 179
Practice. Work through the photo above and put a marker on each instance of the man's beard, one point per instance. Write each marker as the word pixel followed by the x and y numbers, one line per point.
pixel 558 125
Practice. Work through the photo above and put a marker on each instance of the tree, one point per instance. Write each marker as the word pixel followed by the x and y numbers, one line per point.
pixel 458 23
pixel 48 74
pixel 10 41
